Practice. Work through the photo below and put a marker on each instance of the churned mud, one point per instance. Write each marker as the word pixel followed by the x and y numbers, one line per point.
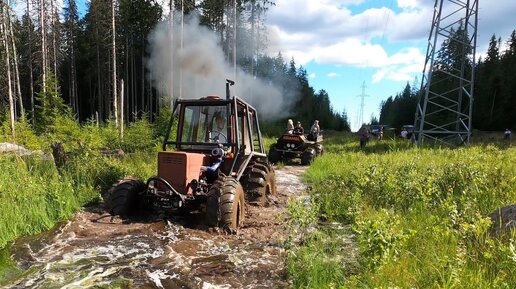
pixel 92 250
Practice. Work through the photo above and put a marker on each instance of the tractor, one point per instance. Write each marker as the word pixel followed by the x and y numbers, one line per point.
pixel 291 146
pixel 215 165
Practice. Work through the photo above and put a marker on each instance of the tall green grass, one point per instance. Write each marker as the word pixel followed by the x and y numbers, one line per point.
pixel 417 217
pixel 34 194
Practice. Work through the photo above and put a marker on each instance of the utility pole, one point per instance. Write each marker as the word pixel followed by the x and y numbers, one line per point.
pixel 182 46
pixel 361 112
pixel 234 40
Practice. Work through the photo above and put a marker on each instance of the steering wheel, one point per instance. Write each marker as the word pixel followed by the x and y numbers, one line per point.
pixel 216 137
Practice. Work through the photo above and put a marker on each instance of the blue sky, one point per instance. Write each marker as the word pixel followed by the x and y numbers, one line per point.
pixel 344 43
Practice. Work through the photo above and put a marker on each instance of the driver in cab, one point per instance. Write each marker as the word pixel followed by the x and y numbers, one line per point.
pixel 219 131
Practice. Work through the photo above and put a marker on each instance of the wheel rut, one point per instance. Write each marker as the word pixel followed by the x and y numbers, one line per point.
pixel 93 250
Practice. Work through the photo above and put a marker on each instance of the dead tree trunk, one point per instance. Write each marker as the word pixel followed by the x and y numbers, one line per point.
pixel 42 24
pixel 113 27
pixel 31 76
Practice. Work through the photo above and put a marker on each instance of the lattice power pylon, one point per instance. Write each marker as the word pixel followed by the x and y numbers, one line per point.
pixel 444 115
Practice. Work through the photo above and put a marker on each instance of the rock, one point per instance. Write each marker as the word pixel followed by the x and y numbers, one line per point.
pixel 119 153
pixel 503 219
pixel 6 147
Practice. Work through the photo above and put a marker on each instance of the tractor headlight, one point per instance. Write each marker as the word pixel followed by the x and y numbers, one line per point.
pixel 218 152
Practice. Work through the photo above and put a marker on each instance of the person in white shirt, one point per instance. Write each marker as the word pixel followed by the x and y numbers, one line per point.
pixel 290 126
pixel 404 133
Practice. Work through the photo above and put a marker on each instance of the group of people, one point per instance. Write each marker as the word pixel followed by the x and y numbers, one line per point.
pixel 299 130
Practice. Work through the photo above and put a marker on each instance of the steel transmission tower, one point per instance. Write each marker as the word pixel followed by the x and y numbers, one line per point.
pixel 444 115
pixel 362 104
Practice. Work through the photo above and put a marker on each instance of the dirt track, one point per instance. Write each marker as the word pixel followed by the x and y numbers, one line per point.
pixel 92 250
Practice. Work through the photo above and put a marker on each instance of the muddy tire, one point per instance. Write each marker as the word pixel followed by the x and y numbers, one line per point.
pixel 319 150
pixel 307 157
pixel 123 198
pixel 274 155
pixel 225 206
pixel 258 181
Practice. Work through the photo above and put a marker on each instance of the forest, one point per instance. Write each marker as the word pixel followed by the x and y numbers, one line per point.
pixel 104 63
pixel 494 105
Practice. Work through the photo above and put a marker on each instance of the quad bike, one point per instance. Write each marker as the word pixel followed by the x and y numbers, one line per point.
pixel 291 146
pixel 216 165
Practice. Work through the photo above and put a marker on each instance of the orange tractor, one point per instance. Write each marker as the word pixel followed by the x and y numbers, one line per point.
pixel 216 163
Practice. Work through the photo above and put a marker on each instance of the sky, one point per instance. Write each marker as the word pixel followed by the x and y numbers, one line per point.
pixel 347 44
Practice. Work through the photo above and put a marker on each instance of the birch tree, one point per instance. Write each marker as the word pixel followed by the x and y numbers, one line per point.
pixel 5 41
pixel 15 59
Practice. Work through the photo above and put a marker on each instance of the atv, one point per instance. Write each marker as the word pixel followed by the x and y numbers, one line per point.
pixel 291 146
pixel 215 165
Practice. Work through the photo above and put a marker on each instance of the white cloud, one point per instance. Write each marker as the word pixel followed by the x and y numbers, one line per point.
pixel 332 32
pixel 333 74
pixel 312 75
pixel 407 4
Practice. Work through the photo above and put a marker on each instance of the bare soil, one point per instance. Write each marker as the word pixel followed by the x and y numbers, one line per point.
pixel 93 250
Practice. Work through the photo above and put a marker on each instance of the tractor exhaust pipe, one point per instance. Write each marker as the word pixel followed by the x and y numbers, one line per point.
pixel 228 84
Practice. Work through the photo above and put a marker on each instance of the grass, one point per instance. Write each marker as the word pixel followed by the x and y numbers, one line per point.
pixel 34 195
pixel 417 217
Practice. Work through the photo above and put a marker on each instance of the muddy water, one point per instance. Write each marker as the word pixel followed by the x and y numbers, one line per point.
pixel 93 250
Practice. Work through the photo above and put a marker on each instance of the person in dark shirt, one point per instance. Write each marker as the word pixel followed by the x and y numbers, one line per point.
pixel 298 129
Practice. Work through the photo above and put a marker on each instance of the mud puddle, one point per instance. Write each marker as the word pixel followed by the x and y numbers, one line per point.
pixel 94 251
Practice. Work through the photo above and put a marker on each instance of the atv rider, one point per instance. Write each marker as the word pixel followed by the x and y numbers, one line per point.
pixel 298 129
pixel 290 126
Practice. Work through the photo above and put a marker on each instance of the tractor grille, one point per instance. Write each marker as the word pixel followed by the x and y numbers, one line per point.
pixel 173 160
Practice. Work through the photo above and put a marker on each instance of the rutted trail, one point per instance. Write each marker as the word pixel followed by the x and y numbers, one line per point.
pixel 92 250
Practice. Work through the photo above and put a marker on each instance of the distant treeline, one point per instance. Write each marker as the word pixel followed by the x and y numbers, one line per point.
pixel 52 57
pixel 494 105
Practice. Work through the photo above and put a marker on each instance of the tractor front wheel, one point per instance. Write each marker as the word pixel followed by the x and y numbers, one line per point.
pixel 225 205
pixel 122 199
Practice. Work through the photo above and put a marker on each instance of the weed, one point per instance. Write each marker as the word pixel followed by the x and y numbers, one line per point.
pixel 418 215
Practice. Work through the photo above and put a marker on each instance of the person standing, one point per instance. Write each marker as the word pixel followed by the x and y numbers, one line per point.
pixel 507 134
pixel 314 130
pixel 404 133
pixel 363 136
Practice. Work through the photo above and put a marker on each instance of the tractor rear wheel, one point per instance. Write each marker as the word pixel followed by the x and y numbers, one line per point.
pixel 225 204
pixel 122 199
pixel 274 155
pixel 307 157
pixel 259 181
